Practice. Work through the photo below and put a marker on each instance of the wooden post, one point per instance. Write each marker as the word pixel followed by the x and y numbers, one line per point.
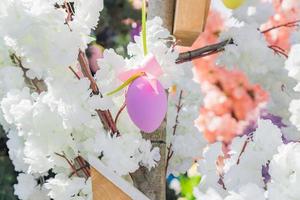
pixel 153 183
pixel 190 20
pixel 163 9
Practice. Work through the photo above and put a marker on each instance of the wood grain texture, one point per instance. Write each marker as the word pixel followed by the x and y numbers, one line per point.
pixel 163 9
pixel 103 189
pixel 190 20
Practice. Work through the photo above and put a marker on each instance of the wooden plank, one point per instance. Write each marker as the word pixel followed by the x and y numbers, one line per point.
pixel 103 189
pixel 190 19
pixel 109 186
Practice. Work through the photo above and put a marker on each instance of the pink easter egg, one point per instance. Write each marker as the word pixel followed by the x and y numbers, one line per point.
pixel 146 106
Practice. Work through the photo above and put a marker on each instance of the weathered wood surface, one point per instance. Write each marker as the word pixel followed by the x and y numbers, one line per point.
pixel 153 183
pixel 163 9
pixel 190 20
pixel 103 189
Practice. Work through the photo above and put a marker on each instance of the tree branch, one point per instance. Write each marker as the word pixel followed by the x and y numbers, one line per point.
pixel 38 85
pixel 242 151
pixel 170 151
pixel 287 24
pixel 104 115
pixel 218 47
pixel 202 52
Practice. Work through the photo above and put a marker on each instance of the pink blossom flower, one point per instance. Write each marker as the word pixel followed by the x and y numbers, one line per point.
pixel 231 102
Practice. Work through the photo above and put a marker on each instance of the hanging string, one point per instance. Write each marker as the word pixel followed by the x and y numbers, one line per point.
pixel 126 83
pixel 144 34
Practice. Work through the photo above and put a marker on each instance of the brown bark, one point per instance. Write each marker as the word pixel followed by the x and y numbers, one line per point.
pixel 153 183
pixel 203 51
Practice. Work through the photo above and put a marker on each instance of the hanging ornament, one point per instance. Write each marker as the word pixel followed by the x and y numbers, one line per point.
pixel 146 106
pixel 146 99
pixel 233 4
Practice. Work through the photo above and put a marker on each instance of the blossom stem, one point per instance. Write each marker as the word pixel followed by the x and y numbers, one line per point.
pixel 69 162
pixel 218 47
pixel 75 74
pixel 70 13
pixel 278 50
pixel 202 52
pixel 287 24
pixel 242 151
pixel 33 82
pixel 104 115
pixel 79 169
pixel 179 106
pixel 119 112
pixel 87 72
pixel 83 165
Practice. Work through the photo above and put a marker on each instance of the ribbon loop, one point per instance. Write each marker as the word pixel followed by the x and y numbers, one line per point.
pixel 150 68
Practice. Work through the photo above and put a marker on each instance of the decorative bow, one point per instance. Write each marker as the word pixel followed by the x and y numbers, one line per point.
pixel 149 67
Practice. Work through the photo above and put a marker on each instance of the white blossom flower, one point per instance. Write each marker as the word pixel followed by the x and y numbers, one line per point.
pixel 15 145
pixel 247 192
pixel 254 12
pixel 210 174
pixel 63 188
pixel 28 188
pixel 284 171
pixel 262 147
pixel 209 194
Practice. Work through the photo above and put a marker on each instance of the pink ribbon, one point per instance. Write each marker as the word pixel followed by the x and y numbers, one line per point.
pixel 150 67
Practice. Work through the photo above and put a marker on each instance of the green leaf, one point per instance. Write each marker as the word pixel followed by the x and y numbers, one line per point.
pixel 187 185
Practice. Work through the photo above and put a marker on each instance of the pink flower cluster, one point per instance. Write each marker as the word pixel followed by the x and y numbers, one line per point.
pixel 281 24
pixel 230 101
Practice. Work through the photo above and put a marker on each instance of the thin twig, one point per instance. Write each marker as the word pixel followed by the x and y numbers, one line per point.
pixel 18 62
pixel 105 115
pixel 221 181
pixel 170 151
pixel 75 74
pixel 68 161
pixel 78 170
pixel 81 162
pixel 278 50
pixel 69 14
pixel 287 24
pixel 242 151
pixel 169 156
pixel 178 106
pixel 119 112
pixel 87 72
pixel 277 47
pixel 204 51
pixel 218 47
